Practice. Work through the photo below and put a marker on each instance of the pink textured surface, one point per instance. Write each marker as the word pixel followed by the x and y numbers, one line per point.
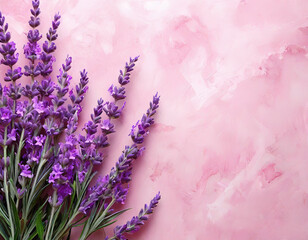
pixel 229 152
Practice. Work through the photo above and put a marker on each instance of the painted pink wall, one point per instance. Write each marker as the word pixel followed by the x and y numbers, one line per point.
pixel 229 152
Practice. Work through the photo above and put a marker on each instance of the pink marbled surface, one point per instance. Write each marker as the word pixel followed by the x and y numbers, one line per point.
pixel 229 152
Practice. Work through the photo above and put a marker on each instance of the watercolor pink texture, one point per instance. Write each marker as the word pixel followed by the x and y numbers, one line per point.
pixel 229 151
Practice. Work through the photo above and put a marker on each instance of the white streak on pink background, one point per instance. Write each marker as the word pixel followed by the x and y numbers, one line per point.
pixel 229 152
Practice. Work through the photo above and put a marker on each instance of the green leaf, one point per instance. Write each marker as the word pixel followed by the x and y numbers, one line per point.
pixel 77 223
pixel 86 231
pixel 12 187
pixel 116 214
pixel 69 235
pixel 63 218
pixel 105 225
pixel 12 159
pixel 108 220
pixel 32 236
pixel 3 214
pixel 15 217
pixel 72 197
pixel 53 221
pixel 39 225
pixel 35 199
pixel 31 225
pixel 3 231
pixel 84 187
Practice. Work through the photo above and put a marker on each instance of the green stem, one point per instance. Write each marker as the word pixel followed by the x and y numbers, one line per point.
pixel 99 210
pixel 18 155
pixel 98 221
pixel 5 185
pixel 42 162
pixel 67 226
pixel 101 218
pixel 14 104
pixel 17 203
pixel 50 223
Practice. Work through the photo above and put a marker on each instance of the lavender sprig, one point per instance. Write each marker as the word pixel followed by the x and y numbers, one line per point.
pixel 32 49
pixel 134 224
pixel 107 127
pixel 81 88
pixel 121 173
pixel 113 187
pixel 49 47
pixel 10 58
pixel 118 93
pixel 7 50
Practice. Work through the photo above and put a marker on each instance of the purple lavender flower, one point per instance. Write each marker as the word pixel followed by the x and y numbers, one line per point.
pixel 90 144
pixel 64 79
pixel 63 191
pixel 14 91
pixel 112 186
pixel 39 140
pixel 20 193
pixel 8 50
pixel 91 126
pixel 46 87
pixel 49 47
pixel 5 36
pixel 11 137
pixel 119 193
pixel 117 93
pixel 10 58
pixel 107 127
pixel 64 170
pixel 39 146
pixel 112 110
pixel 134 224
pixel 38 106
pixel 25 171
pixel 81 88
pixel 124 77
pixel 5 115
pixel 139 130
pixel 30 91
pixel 94 194
pixel 32 49
pixel 35 20
pixel 13 75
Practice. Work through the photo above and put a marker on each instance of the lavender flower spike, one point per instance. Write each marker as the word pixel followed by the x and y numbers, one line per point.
pixel 124 77
pixel 7 51
pixel 32 49
pixel 134 224
pixel 81 88
pixel 49 47
pixel 139 130
pixel 112 184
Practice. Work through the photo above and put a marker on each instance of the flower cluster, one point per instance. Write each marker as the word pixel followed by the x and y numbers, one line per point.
pixel 47 168
pixel 113 186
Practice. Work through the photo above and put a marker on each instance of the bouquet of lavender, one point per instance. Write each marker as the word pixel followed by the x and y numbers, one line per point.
pixel 46 168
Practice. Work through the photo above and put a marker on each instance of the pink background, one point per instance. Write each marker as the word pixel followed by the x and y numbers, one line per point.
pixel 229 152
